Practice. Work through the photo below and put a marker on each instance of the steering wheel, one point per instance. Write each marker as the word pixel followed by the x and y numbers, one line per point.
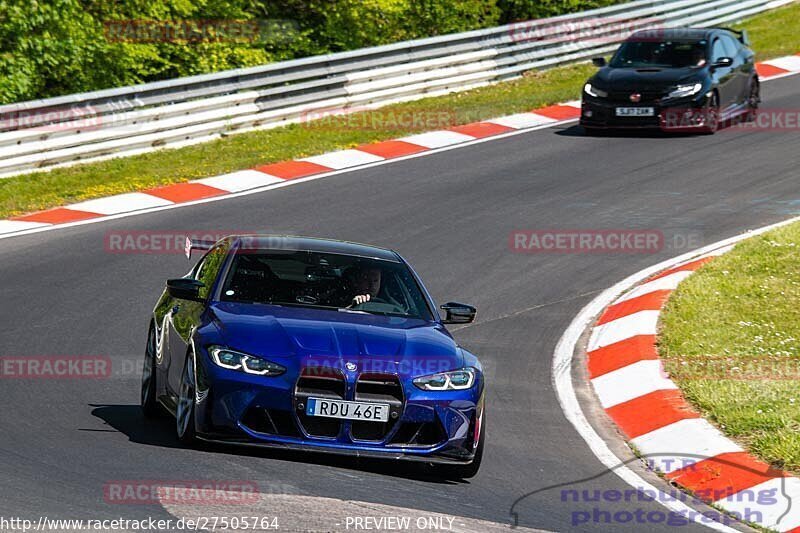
pixel 378 300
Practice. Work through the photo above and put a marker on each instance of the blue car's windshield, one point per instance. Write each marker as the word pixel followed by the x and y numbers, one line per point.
pixel 654 54
pixel 324 280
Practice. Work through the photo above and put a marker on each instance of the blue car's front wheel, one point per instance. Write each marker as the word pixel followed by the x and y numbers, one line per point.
pixel 184 412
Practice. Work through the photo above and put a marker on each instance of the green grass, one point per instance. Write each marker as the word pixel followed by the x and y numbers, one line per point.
pixel 730 338
pixel 772 35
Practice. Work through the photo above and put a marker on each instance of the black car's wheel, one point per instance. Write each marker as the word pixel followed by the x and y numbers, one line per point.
pixel 469 470
pixel 184 412
pixel 711 115
pixel 148 399
pixel 753 100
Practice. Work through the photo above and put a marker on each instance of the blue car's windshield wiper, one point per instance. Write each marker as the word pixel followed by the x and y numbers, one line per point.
pixel 380 313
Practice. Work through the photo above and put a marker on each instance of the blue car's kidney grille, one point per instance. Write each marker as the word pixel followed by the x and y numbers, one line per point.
pixel 319 383
pixel 327 383
pixel 378 388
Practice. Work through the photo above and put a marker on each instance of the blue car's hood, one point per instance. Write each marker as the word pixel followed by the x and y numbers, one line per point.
pixel 286 332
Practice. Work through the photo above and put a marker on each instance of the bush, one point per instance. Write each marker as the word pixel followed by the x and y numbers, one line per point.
pixel 55 47
pixel 337 25
pixel 516 10
pixel 66 46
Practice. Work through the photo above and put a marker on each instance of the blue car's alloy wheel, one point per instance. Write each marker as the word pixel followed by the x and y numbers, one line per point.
pixel 184 413
pixel 148 399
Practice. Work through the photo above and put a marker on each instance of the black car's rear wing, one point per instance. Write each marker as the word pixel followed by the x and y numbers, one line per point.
pixel 740 34
pixel 197 244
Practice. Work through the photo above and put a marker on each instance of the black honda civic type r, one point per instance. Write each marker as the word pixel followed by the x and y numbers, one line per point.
pixel 680 79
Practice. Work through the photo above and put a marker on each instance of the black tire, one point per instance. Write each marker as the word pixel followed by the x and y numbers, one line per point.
pixel 753 100
pixel 711 115
pixel 185 410
pixel 468 470
pixel 149 404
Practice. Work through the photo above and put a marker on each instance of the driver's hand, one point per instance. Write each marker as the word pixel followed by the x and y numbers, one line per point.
pixel 360 299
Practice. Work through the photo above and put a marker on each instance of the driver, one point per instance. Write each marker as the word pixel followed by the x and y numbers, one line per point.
pixel 366 284
pixel 698 57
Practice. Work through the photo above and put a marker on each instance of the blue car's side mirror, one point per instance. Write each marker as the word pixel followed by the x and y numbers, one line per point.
pixel 185 289
pixel 599 61
pixel 456 313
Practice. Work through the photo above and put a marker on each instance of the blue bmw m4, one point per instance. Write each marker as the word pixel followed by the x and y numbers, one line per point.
pixel 314 344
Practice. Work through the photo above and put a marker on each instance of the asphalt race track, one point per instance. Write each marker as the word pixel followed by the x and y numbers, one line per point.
pixel 450 214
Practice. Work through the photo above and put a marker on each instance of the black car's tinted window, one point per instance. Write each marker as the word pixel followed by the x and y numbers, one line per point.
pixel 654 54
pixel 324 280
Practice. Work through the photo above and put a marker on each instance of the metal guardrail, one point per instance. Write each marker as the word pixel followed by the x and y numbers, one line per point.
pixel 127 120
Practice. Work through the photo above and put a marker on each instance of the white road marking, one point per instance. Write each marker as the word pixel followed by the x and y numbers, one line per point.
pixel 240 181
pixel 437 139
pixel 9 226
pixel 772 500
pixel 669 283
pixel 640 323
pixel 631 381
pixel 682 443
pixel 790 63
pixel 521 120
pixel 120 203
pixel 343 159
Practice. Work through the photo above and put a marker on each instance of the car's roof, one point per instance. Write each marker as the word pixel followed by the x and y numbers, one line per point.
pixel 313 244
pixel 674 34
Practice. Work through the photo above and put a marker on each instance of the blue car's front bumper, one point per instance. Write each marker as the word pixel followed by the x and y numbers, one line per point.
pixel 269 411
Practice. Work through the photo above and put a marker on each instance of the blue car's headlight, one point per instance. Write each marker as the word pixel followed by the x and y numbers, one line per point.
pixel 682 91
pixel 453 380
pixel 233 360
